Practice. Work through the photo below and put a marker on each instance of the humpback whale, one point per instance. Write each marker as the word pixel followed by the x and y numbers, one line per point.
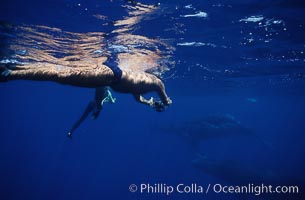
pixel 216 126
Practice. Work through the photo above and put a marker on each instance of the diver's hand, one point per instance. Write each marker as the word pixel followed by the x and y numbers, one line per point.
pixel 158 105
pixel 168 101
pixel 151 102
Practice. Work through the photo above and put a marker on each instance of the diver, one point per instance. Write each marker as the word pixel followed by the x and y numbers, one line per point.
pixel 102 95
pixel 92 75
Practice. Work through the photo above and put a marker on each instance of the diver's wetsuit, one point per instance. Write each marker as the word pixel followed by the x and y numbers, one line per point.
pixel 112 63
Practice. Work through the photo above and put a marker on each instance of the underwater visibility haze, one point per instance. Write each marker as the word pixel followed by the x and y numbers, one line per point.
pixel 234 70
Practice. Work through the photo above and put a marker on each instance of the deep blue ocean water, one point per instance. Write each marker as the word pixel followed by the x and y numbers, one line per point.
pixel 240 59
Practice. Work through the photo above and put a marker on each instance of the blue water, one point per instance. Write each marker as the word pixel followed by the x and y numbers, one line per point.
pixel 243 59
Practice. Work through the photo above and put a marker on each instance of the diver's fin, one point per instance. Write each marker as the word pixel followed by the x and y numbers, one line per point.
pixel 4 73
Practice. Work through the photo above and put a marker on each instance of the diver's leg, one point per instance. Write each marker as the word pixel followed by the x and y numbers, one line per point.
pixel 96 110
pixel 100 93
pixel 35 72
pixel 82 76
pixel 89 109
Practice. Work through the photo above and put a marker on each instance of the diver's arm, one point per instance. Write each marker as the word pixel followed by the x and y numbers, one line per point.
pixel 140 83
pixel 162 94
pixel 87 111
